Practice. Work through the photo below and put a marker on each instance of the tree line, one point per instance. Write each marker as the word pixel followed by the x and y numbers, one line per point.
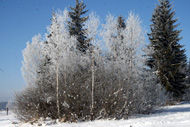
pixel 85 70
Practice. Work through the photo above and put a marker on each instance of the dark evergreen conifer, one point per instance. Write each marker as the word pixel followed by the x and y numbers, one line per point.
pixel 119 37
pixel 187 70
pixel 76 25
pixel 121 23
pixel 168 58
pixel 121 26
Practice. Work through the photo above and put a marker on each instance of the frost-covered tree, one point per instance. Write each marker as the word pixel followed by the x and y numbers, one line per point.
pixel 71 67
pixel 32 56
pixel 35 74
pixel 76 25
pixel 168 58
pixel 125 64
pixel 60 45
pixel 92 26
pixel 133 39
pixel 40 68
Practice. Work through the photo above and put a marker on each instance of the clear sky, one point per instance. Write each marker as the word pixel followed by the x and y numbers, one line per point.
pixel 20 20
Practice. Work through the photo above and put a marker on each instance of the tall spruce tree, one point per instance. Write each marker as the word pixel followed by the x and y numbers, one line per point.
pixel 76 25
pixel 167 58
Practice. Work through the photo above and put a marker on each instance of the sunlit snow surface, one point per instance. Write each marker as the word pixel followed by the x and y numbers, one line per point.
pixel 171 116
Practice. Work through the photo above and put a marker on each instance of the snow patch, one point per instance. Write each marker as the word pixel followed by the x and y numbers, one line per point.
pixel 169 116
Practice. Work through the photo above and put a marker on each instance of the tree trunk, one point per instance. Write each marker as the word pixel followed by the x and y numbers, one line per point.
pixel 57 87
pixel 92 93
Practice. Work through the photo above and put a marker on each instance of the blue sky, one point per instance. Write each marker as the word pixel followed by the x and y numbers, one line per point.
pixel 20 20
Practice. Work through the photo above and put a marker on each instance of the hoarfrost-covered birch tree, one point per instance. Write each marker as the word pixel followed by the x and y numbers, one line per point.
pixel 60 44
pixel 92 26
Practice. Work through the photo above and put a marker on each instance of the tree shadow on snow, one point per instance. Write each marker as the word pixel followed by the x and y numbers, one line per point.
pixel 176 108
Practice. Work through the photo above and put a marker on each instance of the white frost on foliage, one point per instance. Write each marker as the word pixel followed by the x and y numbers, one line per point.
pixel 109 30
pixel 92 25
pixel 60 40
pixel 32 56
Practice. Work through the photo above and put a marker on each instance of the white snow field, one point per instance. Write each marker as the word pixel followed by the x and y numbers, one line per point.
pixel 170 116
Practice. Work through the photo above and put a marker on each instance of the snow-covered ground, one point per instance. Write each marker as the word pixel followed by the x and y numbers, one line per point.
pixel 170 116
